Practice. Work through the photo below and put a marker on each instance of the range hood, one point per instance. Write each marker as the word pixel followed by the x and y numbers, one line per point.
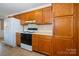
pixel 31 21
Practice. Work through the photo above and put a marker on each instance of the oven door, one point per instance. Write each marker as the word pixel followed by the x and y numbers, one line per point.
pixel 26 39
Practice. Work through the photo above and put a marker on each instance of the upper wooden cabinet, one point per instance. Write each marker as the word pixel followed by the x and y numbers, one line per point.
pixel 38 16
pixel 22 18
pixel 25 17
pixel 47 15
pixel 62 9
pixel 42 16
pixel 29 16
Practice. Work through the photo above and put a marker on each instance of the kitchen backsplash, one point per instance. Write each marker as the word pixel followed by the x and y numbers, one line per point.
pixel 45 28
pixel 42 28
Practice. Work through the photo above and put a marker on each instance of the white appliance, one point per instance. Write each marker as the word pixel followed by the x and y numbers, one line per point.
pixel 11 26
pixel 31 27
pixel 26 36
pixel 27 47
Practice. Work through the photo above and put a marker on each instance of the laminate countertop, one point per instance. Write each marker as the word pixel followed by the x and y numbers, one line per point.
pixel 40 33
pixel 43 33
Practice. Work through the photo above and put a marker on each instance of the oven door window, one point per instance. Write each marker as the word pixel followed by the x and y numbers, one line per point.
pixel 26 39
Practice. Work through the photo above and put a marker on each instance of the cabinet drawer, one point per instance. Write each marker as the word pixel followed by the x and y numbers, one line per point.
pixel 44 37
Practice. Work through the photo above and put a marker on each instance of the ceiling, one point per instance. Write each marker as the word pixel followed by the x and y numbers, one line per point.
pixel 12 8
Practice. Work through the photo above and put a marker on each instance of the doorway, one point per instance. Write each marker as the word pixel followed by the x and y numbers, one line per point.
pixel 1 30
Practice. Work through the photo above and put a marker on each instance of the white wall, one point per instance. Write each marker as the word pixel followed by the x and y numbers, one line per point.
pixel 0 24
pixel 1 33
pixel 1 30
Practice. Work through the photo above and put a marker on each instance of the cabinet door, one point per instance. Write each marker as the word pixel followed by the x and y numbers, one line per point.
pixel 47 15
pixel 64 43
pixel 78 31
pixel 34 42
pixel 39 16
pixel 63 27
pixel 18 39
pixel 44 45
pixel 31 15
pixel 64 47
pixel 62 9
pixel 22 18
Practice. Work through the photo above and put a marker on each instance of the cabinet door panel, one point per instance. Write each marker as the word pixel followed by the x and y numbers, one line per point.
pixel 38 16
pixel 78 30
pixel 47 15
pixel 64 27
pixel 30 16
pixel 44 45
pixel 35 42
pixel 64 47
pixel 18 39
pixel 62 9
pixel 22 18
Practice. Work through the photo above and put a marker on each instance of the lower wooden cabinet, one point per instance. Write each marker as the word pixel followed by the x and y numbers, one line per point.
pixel 18 39
pixel 54 46
pixel 35 42
pixel 42 44
pixel 64 47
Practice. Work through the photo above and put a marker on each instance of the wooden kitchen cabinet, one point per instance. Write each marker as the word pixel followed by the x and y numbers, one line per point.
pixel 78 28
pixel 63 27
pixel 31 16
pixel 47 15
pixel 18 39
pixel 62 9
pixel 22 18
pixel 42 44
pixel 35 42
pixel 64 41
pixel 43 16
pixel 64 47
pixel 28 16
pixel 39 16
